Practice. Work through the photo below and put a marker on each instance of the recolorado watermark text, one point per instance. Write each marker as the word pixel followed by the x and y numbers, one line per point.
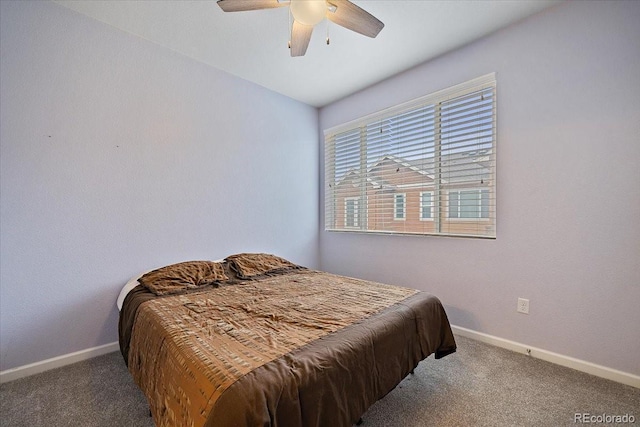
pixel 587 418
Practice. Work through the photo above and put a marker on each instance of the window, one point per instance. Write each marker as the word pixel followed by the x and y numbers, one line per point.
pixel 426 206
pixel 351 212
pixel 399 211
pixel 469 204
pixel 423 167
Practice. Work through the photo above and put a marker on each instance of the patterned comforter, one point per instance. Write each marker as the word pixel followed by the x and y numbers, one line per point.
pixel 299 348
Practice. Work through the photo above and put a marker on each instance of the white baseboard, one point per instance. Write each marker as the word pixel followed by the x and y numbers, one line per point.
pixel 558 359
pixel 56 362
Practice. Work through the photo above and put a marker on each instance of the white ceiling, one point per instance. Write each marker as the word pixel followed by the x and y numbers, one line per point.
pixel 253 45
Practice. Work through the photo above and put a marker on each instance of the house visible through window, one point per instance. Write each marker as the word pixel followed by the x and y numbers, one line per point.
pixel 424 167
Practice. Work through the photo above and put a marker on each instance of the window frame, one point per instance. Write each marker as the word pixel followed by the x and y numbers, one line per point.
pixel 458 127
pixel 404 207
pixel 356 212
pixel 431 216
pixel 459 218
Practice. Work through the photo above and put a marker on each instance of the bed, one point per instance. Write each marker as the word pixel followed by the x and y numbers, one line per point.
pixel 255 340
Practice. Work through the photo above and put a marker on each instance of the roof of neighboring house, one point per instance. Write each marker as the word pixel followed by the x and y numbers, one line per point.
pixel 474 161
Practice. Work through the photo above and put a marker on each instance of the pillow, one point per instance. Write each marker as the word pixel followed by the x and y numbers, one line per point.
pixel 251 265
pixel 184 275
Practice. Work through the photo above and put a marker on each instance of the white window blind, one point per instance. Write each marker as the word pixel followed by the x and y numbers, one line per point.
pixel 423 167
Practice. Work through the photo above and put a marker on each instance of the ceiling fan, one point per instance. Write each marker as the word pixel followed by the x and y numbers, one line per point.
pixel 307 13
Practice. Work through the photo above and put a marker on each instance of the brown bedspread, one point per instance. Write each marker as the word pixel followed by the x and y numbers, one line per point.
pixel 300 348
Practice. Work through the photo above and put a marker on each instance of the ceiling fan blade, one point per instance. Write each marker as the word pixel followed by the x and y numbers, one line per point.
pixel 242 5
pixel 300 36
pixel 354 18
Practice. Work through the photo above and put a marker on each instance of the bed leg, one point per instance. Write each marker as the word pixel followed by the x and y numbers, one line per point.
pixel 359 422
pixel 413 372
pixel 150 414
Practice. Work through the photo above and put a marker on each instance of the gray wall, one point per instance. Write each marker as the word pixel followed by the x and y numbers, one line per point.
pixel 118 156
pixel 568 234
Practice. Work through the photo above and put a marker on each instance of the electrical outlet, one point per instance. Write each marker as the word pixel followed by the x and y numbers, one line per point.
pixel 523 306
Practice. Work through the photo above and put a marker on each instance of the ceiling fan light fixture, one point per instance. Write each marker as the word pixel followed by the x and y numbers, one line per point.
pixel 308 12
